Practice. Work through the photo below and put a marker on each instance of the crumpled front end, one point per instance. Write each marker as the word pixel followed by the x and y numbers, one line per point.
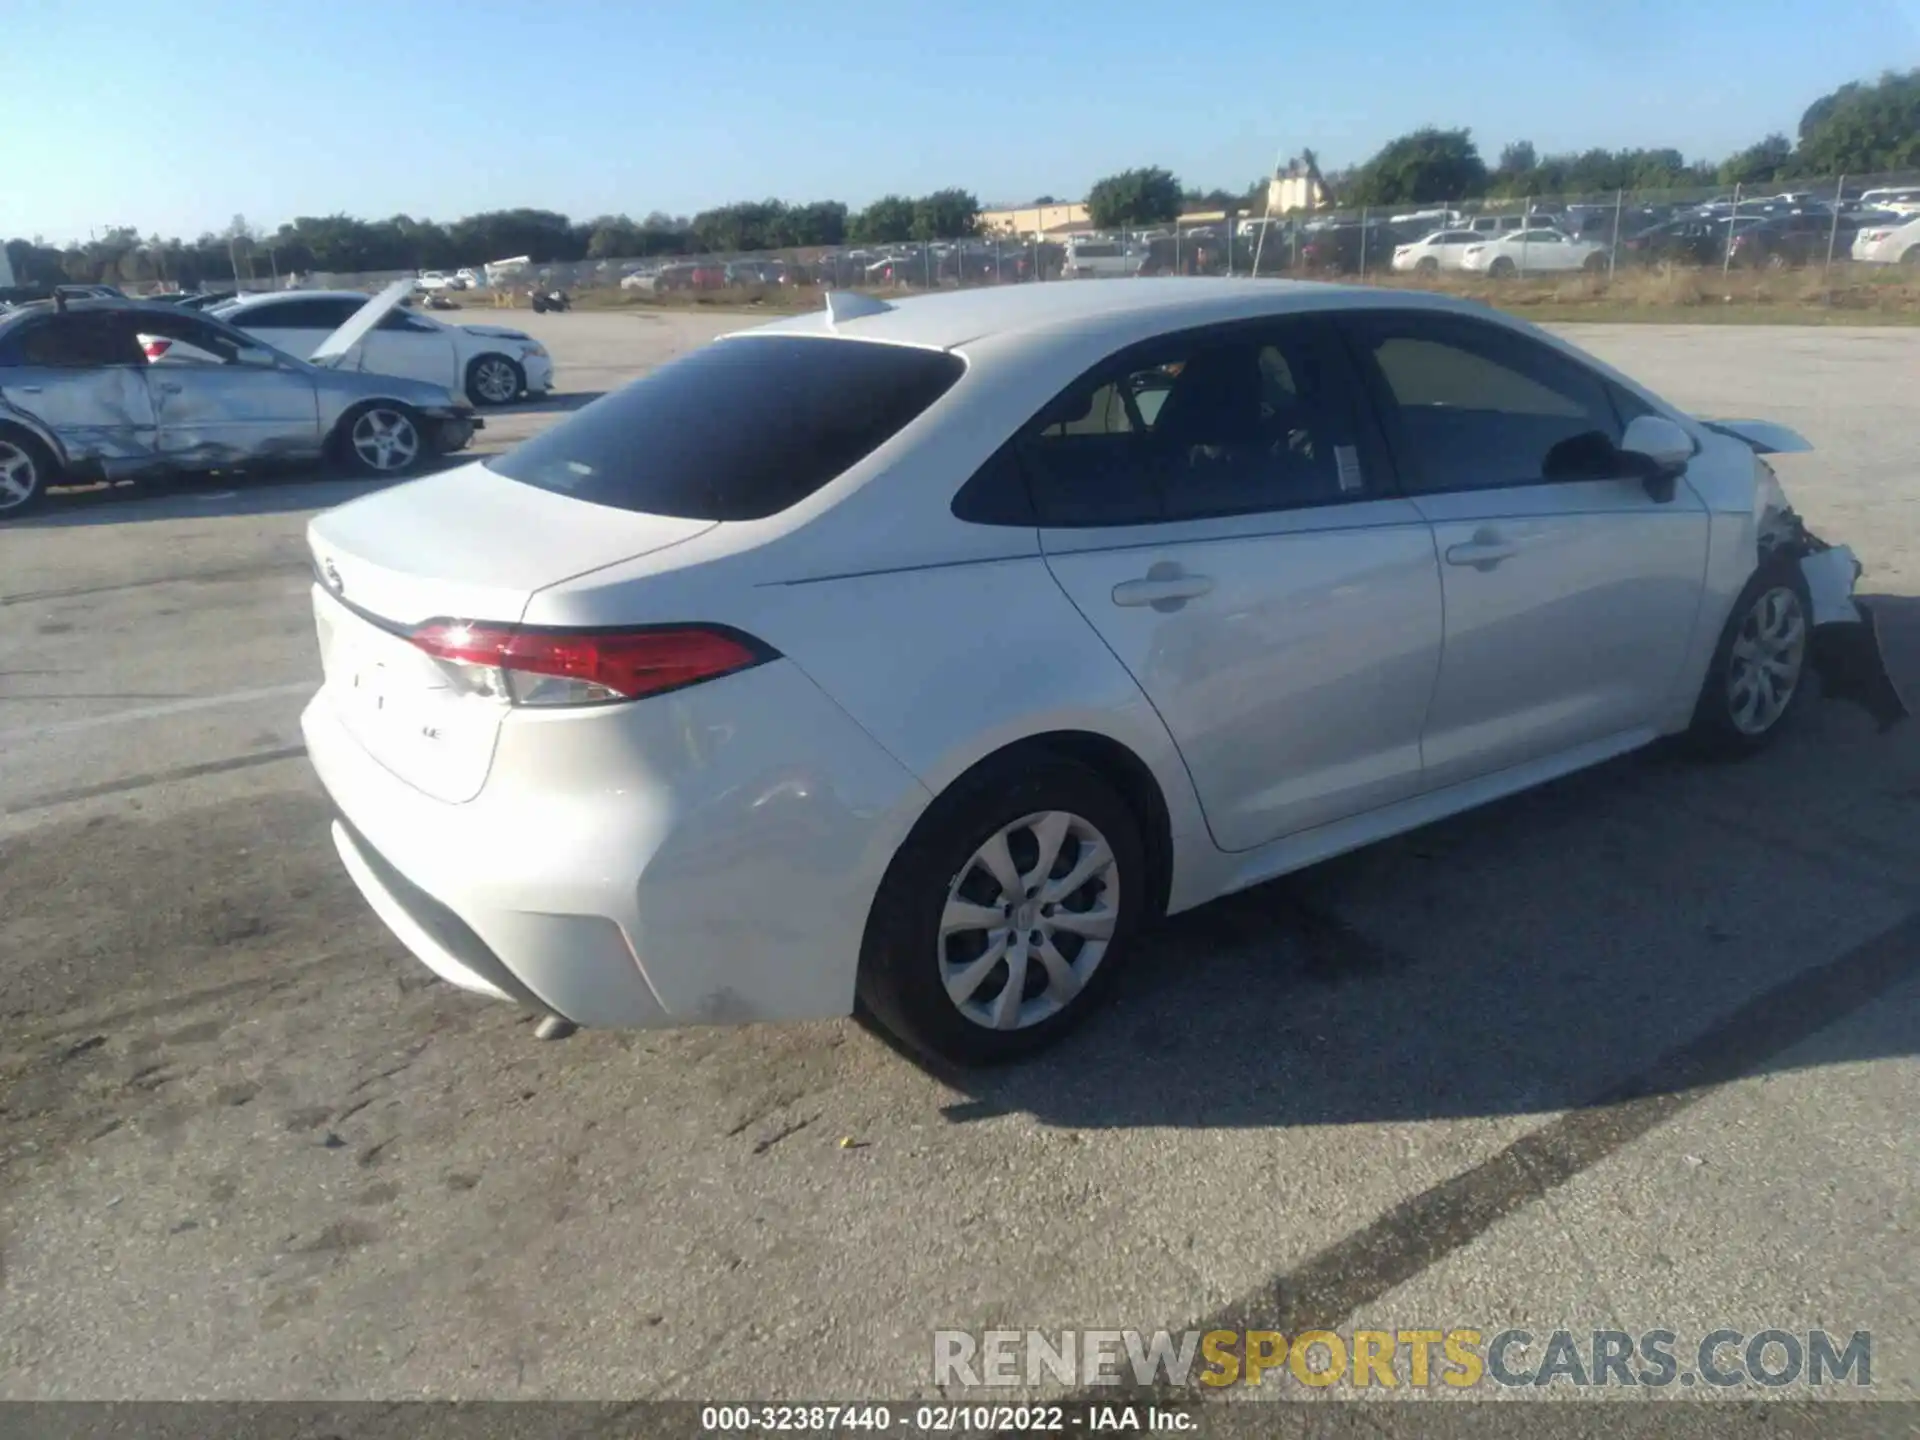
pixel 1846 640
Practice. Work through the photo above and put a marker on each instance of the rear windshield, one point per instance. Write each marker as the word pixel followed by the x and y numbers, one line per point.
pixel 738 430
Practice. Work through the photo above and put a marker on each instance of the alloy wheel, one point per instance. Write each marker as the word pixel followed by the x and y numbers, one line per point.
pixel 385 440
pixel 1768 658
pixel 19 477
pixel 495 380
pixel 1028 920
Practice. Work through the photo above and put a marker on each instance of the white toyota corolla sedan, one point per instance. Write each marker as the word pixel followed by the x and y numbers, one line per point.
pixel 925 653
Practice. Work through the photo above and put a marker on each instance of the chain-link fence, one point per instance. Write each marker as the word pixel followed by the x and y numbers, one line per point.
pixel 1804 225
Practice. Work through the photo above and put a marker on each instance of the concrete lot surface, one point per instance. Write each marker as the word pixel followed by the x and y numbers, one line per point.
pixel 248 1148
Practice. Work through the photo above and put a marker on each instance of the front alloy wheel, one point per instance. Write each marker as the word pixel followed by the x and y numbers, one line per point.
pixel 494 380
pixel 384 441
pixel 1760 666
pixel 1767 660
pixel 21 478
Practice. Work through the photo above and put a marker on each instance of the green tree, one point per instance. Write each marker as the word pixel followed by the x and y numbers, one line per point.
pixel 1757 164
pixel 1429 164
pixel 1134 197
pixel 887 220
pixel 1862 129
pixel 946 215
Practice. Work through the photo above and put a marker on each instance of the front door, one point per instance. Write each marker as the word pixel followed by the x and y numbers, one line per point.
pixel 1208 506
pixel 1570 590
pixel 218 403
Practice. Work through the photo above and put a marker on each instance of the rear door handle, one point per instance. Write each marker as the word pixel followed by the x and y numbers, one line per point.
pixel 27 389
pixel 169 387
pixel 1483 552
pixel 1165 587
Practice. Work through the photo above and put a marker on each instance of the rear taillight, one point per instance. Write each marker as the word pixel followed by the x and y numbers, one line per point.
pixel 156 348
pixel 533 666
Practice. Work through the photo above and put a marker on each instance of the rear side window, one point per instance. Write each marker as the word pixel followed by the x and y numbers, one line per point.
pixel 738 430
pixel 81 341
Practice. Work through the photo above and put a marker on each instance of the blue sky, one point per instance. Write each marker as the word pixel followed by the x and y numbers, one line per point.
pixel 176 117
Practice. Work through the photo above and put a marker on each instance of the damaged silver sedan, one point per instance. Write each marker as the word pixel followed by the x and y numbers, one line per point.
pixel 117 389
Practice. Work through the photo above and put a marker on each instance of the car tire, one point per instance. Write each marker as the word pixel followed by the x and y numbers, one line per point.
pixel 1911 256
pixel 934 983
pixel 27 468
pixel 494 380
pixel 358 440
pixel 1595 264
pixel 1427 265
pixel 1767 645
pixel 1502 268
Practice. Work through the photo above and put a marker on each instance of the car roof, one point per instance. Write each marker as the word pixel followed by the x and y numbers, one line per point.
pixel 1113 312
pixel 240 302
pixel 91 305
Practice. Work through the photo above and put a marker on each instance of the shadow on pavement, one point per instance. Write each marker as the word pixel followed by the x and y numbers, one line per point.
pixel 1656 918
pixel 271 493
pixel 555 403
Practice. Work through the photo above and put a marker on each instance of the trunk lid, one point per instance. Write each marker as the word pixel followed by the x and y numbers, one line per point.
pixel 464 545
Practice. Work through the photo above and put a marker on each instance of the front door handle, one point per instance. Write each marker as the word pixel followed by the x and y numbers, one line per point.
pixel 1486 550
pixel 168 387
pixel 1165 587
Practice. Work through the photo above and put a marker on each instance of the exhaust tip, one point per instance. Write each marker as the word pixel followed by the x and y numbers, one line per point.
pixel 552 1027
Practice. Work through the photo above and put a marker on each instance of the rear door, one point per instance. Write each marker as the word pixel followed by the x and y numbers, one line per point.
pixel 1213 509
pixel 81 373
pixel 216 403
pixel 1570 591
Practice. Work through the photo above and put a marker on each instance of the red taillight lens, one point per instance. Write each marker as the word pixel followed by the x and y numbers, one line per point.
pixel 156 348
pixel 590 667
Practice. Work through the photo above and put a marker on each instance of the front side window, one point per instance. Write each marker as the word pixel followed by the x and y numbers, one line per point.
pixel 1473 407
pixel 208 338
pixel 1227 424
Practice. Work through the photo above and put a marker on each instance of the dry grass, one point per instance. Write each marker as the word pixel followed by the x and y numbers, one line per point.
pixel 1851 295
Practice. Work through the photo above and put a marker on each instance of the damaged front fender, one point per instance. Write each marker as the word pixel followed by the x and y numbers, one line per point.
pixel 1846 641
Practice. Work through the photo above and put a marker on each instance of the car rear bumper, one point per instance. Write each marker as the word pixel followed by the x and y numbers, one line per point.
pixel 708 856
pixel 539 372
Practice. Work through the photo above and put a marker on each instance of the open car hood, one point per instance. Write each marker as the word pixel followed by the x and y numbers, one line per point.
pixel 1764 436
pixel 360 324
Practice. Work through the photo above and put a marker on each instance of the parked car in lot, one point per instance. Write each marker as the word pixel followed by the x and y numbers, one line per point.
pixel 1342 249
pixel 1532 252
pixel 1097 257
pixel 634 724
pixel 1789 241
pixel 1888 244
pixel 1905 199
pixel 119 389
pixel 1684 240
pixel 1442 250
pixel 490 364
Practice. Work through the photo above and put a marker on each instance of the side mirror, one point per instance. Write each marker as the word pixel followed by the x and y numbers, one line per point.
pixel 1659 450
